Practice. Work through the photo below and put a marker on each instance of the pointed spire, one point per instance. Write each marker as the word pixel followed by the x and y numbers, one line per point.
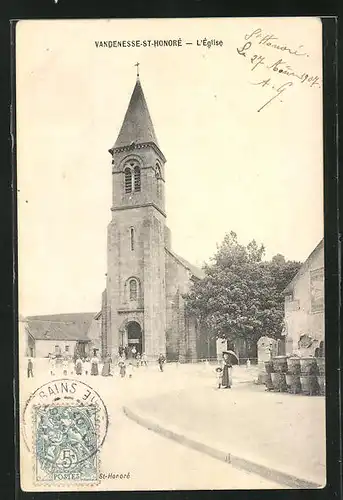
pixel 137 126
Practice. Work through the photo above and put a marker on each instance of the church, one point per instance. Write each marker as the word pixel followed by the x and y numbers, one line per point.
pixel 143 303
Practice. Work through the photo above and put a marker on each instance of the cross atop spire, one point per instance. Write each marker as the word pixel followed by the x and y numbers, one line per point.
pixel 137 65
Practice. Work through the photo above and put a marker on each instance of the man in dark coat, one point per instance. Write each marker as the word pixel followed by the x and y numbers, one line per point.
pixel 30 368
pixel 161 361
pixel 126 351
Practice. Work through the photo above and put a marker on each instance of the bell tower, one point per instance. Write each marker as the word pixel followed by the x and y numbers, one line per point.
pixel 135 290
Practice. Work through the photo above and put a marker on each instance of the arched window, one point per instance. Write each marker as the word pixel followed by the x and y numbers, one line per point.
pixel 132 239
pixel 137 178
pixel 158 178
pixel 158 172
pixel 128 180
pixel 133 287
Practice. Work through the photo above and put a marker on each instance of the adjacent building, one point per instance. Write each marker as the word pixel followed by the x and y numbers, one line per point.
pixel 304 307
pixel 59 335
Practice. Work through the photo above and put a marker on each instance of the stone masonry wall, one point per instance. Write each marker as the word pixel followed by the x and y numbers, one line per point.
pixel 300 319
pixel 180 332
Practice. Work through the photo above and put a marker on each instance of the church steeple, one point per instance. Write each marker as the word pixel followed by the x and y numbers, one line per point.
pixel 137 127
pixel 138 164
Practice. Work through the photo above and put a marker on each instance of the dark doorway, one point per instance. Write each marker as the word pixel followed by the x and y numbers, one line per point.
pixel 135 338
pixel 281 345
pixel 81 349
pixel 252 351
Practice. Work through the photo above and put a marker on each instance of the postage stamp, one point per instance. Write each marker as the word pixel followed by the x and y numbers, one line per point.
pixel 64 425
pixel 66 443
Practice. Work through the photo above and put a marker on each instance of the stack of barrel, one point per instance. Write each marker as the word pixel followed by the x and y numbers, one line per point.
pixel 297 375
pixel 321 375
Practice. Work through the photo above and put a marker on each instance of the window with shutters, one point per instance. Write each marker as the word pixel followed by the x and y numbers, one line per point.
pixel 132 177
pixel 137 178
pixel 128 180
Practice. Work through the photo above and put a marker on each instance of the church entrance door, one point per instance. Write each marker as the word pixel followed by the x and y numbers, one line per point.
pixel 135 338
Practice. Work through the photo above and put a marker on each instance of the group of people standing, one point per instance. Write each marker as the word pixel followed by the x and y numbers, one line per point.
pixel 91 366
pixel 126 364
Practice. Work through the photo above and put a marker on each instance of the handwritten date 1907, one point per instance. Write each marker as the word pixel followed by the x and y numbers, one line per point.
pixel 280 66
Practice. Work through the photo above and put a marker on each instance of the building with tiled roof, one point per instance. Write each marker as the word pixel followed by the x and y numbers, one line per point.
pixel 58 334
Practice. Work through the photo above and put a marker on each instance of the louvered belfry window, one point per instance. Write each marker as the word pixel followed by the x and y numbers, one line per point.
pixel 137 178
pixel 128 180
pixel 132 177
pixel 133 289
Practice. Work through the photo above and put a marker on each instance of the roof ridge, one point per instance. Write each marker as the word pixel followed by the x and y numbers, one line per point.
pixel 303 266
pixel 185 263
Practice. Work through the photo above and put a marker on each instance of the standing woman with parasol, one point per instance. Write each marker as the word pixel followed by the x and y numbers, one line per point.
pixel 229 359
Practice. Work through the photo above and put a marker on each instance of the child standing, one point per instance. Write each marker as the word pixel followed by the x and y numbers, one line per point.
pixel 122 368
pixel 219 376
pixel 87 366
pixel 52 362
pixel 144 359
pixel 65 366
pixel 130 370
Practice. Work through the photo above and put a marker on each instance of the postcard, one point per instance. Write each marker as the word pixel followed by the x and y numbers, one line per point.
pixel 170 254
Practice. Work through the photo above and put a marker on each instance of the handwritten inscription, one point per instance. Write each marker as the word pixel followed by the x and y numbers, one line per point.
pixel 279 91
pixel 270 40
pixel 280 74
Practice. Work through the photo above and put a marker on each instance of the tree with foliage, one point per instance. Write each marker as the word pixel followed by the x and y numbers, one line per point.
pixel 241 295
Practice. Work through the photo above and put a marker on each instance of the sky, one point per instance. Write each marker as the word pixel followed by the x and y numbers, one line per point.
pixel 230 164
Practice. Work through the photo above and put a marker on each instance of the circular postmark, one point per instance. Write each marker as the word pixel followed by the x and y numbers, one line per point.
pixel 64 423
